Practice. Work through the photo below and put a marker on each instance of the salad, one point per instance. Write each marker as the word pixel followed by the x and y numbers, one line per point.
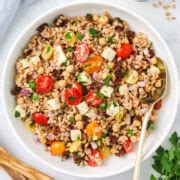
pixel 83 85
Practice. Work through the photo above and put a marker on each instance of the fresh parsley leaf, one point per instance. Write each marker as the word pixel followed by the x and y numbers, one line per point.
pixel 78 138
pixel 35 97
pixel 100 95
pixel 79 36
pixel 101 138
pixel 68 35
pixel 17 114
pixel 70 49
pixel 110 39
pixel 107 80
pixel 108 67
pixel 71 98
pixel 48 49
pixel 32 85
pixel 174 139
pixel 93 32
pixel 65 63
pixel 130 133
pixel 103 106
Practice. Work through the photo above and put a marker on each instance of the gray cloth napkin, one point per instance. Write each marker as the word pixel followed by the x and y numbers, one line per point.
pixel 8 9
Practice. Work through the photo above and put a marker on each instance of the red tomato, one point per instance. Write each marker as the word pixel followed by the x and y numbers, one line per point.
pixel 44 84
pixel 92 99
pixel 127 146
pixel 92 163
pixel 125 51
pixel 40 118
pixel 121 153
pixel 158 105
pixel 78 86
pixel 82 52
pixel 96 155
pixel 73 96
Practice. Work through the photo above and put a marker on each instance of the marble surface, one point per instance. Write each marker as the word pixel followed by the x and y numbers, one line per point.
pixel 169 31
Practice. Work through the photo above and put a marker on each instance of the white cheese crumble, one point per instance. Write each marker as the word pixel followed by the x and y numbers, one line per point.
pixel 108 53
pixel 83 108
pixel 34 60
pixel 53 104
pixel 59 55
pixel 123 89
pixel 112 109
pixel 75 134
pixel 91 114
pixel 25 63
pixel 107 91
pixel 84 78
pixel 20 111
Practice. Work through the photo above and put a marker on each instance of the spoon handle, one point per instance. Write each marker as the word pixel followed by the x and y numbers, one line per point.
pixel 140 146
pixel 18 169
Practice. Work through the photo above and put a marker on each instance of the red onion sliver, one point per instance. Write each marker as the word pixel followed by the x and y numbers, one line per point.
pixel 25 92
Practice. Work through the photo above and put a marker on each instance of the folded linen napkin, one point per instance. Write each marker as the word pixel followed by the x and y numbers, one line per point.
pixel 8 9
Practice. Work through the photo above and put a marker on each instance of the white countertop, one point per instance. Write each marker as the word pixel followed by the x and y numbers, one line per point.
pixel 169 30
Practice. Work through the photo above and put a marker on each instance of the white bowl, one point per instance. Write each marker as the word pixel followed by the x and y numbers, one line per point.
pixel 113 165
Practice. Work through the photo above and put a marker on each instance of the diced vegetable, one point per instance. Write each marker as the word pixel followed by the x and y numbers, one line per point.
pixel 103 106
pixel 158 105
pixel 74 147
pixel 53 104
pixel 59 55
pixel 70 38
pixel 107 91
pixel 119 116
pixel 47 52
pixel 83 108
pixel 93 64
pixel 93 130
pixel 75 134
pixel 131 77
pixel 123 89
pixel 79 36
pixel 40 118
pixel 25 92
pixel 30 126
pixel 32 85
pixel 93 32
pixel 105 151
pixel 84 78
pixel 57 148
pixel 35 97
pixel 108 53
pixel 112 109
pixel 19 112
pixel 106 81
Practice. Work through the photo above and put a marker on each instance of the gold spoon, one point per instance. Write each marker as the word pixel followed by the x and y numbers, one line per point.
pixel 159 93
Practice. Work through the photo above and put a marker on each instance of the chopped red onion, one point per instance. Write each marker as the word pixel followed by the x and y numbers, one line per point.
pixel 36 139
pixel 25 92
pixel 50 137
pixel 141 84
pixel 94 76
pixel 94 145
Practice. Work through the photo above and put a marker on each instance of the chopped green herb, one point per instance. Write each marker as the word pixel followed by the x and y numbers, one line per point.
pixel 70 49
pixel 48 49
pixel 79 36
pixel 89 17
pixel 110 39
pixel 108 67
pixel 151 127
pixel 100 95
pixel 71 119
pixel 102 137
pixel 71 98
pixel 93 32
pixel 68 35
pixel 103 106
pixel 167 161
pixel 17 114
pixel 32 85
pixel 78 138
pixel 130 133
pixel 35 97
pixel 65 63
pixel 107 80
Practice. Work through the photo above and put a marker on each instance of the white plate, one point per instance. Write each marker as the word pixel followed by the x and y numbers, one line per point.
pixel 113 165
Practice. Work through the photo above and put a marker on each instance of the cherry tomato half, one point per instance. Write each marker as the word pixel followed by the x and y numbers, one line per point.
pixel 40 118
pixel 73 96
pixel 93 130
pixel 57 148
pixel 78 86
pixel 125 51
pixel 127 146
pixel 82 52
pixel 96 157
pixel 158 105
pixel 93 64
pixel 92 99
pixel 44 84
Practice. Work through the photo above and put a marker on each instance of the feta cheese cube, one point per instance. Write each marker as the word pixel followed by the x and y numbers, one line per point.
pixel 112 109
pixel 53 104
pixel 107 91
pixel 108 53
pixel 123 89
pixel 84 78
pixel 19 112
pixel 83 108
pixel 91 114
pixel 75 134
pixel 59 55
pixel 34 60
pixel 154 70
pixel 25 63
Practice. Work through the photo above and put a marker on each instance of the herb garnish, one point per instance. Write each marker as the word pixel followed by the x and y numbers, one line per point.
pixel 100 95
pixel 32 85
pixel 93 32
pixel 68 35
pixel 79 36
pixel 17 114
pixel 107 80
pixel 70 49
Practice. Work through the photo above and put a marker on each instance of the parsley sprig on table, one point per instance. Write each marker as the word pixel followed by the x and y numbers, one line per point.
pixel 167 161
